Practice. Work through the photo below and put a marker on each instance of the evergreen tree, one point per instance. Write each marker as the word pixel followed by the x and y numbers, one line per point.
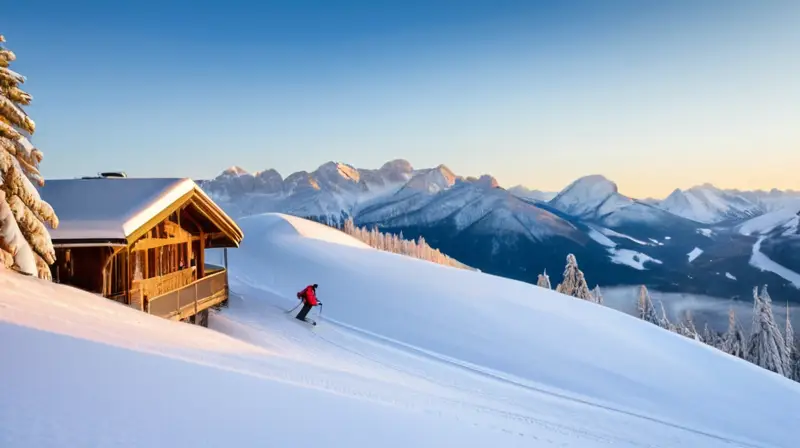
pixel 544 280
pixel 733 341
pixel 597 296
pixel 420 247
pixel 712 337
pixel 574 283
pixel 646 309
pixel 663 319
pixel 25 242
pixel 796 361
pixel 687 328
pixel 766 347
pixel 349 226
pixel 789 345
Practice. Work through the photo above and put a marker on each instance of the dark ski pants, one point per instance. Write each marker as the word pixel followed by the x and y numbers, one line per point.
pixel 302 314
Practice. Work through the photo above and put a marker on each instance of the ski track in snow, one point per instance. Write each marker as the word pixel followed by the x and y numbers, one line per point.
pixel 421 369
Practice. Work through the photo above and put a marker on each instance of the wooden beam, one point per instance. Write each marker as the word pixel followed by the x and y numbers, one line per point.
pixel 192 220
pixel 162 215
pixel 204 206
pixel 154 243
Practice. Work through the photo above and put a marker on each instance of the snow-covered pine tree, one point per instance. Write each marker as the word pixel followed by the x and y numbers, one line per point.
pixel 711 337
pixel 574 284
pixel 789 345
pixel 597 296
pixel 766 346
pixel 733 341
pixel 422 246
pixel 693 333
pixel 25 242
pixel 686 327
pixel 381 241
pixel 647 311
pixel 796 359
pixel 349 226
pixel 663 319
pixel 544 280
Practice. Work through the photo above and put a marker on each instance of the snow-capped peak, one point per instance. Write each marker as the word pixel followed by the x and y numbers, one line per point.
pixel 709 204
pixel 592 195
pixel 432 180
pixel 485 181
pixel 330 171
pixel 233 171
pixel 397 165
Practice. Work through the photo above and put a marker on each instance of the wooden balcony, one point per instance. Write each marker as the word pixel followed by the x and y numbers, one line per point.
pixel 192 298
pixel 157 286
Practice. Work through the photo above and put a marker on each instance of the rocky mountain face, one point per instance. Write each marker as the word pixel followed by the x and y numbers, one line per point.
pixel 701 240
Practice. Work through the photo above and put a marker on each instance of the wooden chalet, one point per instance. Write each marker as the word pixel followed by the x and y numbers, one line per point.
pixel 142 242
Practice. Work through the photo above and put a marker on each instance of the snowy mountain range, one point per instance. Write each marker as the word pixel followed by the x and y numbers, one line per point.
pixel 702 240
pixel 711 205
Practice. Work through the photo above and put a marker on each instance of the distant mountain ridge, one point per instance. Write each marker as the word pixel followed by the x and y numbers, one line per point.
pixel 519 232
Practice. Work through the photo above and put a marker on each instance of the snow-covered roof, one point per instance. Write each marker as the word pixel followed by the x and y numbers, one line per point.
pixel 112 209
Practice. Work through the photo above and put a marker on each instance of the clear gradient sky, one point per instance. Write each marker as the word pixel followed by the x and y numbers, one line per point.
pixel 653 94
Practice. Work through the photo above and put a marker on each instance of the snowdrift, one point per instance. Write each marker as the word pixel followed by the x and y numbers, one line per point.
pixel 408 353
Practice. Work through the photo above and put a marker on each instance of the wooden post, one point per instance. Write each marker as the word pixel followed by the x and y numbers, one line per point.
pixel 225 256
pixel 201 263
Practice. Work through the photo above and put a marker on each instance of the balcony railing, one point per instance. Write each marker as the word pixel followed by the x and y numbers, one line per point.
pixel 190 299
pixel 157 286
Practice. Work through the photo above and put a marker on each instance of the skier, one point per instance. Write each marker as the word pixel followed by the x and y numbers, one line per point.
pixel 309 296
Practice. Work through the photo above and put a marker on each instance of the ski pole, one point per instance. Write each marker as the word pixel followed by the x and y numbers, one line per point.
pixel 295 307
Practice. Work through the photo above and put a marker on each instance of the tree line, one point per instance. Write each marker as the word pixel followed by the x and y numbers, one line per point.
pixel 763 345
pixel 390 242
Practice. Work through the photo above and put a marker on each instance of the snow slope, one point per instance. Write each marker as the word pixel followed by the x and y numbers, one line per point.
pixel 785 220
pixel 696 252
pixel 759 260
pixel 602 356
pixel 408 353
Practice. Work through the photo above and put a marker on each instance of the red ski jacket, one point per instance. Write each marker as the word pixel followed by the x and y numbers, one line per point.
pixel 309 295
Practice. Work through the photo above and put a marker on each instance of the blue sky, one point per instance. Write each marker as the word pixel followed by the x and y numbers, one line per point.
pixel 654 95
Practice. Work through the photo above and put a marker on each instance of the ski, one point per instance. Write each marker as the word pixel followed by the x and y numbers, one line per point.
pixel 309 321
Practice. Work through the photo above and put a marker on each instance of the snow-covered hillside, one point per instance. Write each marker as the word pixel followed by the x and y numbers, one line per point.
pixel 463 317
pixel 407 353
pixel 783 221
